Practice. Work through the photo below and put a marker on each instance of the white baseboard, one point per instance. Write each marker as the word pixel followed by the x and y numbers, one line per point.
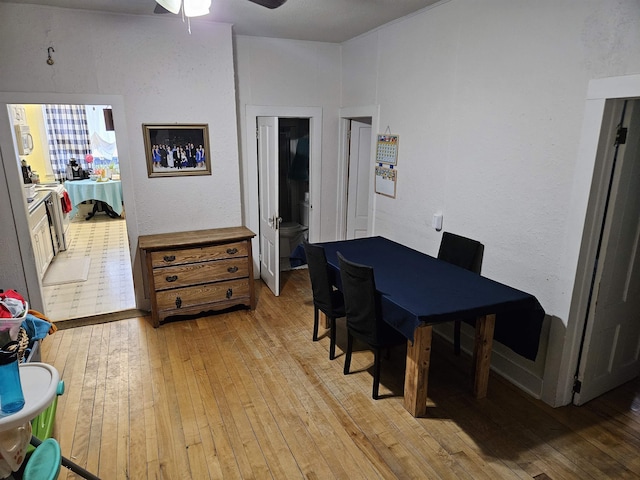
pixel 523 373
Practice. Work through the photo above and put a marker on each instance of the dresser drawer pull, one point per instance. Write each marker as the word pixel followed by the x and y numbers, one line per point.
pixel 233 269
pixel 171 278
pixel 229 292
pixel 178 302
pixel 169 258
pixel 232 251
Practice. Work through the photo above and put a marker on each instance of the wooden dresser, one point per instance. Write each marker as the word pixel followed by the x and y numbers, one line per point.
pixel 198 271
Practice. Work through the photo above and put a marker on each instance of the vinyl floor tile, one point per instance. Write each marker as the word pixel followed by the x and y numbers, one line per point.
pixel 109 286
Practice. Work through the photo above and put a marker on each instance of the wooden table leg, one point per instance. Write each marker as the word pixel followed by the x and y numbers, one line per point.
pixel 482 354
pixel 417 371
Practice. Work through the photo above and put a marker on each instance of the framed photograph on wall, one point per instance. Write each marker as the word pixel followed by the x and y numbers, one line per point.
pixel 176 150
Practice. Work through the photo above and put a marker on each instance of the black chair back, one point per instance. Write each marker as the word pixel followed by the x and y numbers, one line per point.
pixel 320 276
pixel 325 298
pixel 465 253
pixel 461 251
pixel 362 306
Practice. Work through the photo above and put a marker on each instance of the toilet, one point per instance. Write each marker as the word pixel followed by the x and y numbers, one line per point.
pixel 292 234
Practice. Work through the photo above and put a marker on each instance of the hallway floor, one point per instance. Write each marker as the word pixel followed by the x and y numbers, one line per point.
pixel 109 286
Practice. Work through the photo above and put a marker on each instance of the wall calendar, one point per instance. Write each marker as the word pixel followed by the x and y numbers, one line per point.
pixel 386 181
pixel 387 149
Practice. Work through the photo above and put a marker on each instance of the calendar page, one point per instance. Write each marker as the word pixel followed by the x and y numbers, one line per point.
pixel 387 149
pixel 386 181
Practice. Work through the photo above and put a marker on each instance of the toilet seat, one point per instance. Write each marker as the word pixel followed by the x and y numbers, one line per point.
pixel 289 228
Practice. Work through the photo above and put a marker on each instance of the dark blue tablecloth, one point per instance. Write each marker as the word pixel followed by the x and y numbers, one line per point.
pixel 419 289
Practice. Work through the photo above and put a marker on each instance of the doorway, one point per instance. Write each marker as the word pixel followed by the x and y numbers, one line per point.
pixel 293 186
pixel 584 221
pixel 356 202
pixel 609 352
pixel 263 214
pixel 359 171
pixel 283 179
pixel 98 246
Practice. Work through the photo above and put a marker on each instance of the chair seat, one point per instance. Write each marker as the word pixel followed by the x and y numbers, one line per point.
pixel 337 305
pixel 387 336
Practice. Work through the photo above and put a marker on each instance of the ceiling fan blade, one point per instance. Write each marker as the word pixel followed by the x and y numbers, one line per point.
pixel 160 9
pixel 172 6
pixel 269 3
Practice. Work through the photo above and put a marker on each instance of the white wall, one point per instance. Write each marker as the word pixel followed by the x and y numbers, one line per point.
pixel 276 72
pixel 162 74
pixel 488 99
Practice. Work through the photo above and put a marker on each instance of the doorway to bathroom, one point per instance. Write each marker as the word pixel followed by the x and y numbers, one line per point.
pixel 283 158
pixel 293 185
pixel 260 191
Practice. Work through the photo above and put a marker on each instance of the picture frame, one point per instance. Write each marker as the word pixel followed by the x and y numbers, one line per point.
pixel 177 150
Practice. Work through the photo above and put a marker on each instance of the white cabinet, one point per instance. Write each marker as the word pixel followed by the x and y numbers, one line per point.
pixel 41 238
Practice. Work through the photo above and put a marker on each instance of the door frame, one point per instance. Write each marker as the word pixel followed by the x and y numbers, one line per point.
pixel 359 165
pixel 615 160
pixel 585 216
pixel 9 166
pixel 252 218
pixel 345 115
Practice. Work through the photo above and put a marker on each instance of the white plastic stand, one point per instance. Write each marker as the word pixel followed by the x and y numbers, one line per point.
pixel 39 386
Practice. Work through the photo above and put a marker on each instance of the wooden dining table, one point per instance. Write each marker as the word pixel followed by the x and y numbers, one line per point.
pixel 418 291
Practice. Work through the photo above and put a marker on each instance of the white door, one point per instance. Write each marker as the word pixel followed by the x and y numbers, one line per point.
pixel 268 202
pixel 611 346
pixel 358 185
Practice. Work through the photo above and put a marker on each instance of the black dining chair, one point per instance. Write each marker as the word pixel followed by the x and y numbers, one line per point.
pixel 364 316
pixel 325 298
pixel 465 253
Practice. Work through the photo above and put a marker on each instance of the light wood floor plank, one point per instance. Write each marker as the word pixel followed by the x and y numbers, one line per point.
pixel 223 463
pixel 171 445
pixel 75 363
pixel 138 372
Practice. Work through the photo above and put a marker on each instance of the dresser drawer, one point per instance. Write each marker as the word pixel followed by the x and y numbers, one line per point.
pixel 202 272
pixel 198 254
pixel 231 291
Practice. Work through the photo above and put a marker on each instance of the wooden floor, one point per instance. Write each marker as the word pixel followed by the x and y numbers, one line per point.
pixel 249 395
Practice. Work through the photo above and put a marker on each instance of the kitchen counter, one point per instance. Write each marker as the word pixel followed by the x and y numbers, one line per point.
pixel 40 197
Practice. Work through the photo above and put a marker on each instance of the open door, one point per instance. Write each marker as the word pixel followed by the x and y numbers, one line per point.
pixel 360 169
pixel 611 346
pixel 268 202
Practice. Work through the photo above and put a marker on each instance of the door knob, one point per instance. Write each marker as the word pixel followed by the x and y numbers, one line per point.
pixel 274 222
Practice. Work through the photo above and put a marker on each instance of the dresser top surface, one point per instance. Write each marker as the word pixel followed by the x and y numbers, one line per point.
pixel 162 241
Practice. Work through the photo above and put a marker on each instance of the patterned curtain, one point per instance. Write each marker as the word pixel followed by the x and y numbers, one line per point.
pixel 68 134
